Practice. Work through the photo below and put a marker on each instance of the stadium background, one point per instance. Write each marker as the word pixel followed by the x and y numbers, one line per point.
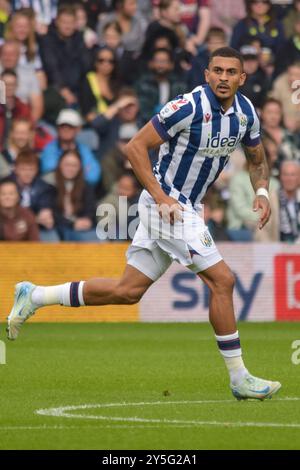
pixel 267 282
pixel 266 264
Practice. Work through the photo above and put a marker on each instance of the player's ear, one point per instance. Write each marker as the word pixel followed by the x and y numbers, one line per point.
pixel 242 78
pixel 206 72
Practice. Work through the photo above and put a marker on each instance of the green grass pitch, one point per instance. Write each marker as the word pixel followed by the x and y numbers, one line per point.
pixel 165 387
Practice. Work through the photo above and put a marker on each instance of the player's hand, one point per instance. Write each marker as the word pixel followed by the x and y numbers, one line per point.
pixel 169 209
pixel 262 203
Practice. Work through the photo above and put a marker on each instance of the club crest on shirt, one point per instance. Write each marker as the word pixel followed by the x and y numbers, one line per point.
pixel 206 239
pixel 243 119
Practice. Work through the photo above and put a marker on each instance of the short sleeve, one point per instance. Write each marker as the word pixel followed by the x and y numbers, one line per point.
pixel 252 136
pixel 175 116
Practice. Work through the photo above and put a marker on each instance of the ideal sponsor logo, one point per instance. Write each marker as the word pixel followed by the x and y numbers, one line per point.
pixel 287 287
pixel 217 142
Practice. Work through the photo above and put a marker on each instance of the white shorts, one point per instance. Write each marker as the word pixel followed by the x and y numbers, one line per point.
pixel 157 244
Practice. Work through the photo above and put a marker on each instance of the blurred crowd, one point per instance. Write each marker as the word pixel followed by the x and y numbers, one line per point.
pixel 82 78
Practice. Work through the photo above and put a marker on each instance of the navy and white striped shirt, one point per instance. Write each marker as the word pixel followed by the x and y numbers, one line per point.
pixel 199 138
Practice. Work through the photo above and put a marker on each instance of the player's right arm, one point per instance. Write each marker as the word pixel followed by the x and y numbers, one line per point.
pixel 137 152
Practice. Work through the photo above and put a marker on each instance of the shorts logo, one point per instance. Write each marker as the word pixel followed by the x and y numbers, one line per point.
pixel 206 239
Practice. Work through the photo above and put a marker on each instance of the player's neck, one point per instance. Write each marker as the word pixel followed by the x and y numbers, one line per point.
pixel 226 104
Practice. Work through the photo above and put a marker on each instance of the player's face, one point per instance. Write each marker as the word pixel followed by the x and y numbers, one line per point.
pixel 225 75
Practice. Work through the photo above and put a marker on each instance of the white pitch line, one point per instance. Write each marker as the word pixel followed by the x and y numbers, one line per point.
pixel 62 412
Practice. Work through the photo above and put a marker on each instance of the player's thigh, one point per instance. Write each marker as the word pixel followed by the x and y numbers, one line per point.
pixel 143 268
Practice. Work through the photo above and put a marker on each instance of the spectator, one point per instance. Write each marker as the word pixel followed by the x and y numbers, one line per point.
pixel 126 186
pixel 21 29
pixel 20 138
pixel 261 22
pixel 16 223
pixel 215 39
pixel 167 25
pixel 242 221
pixel 271 150
pixel 89 36
pixel 288 144
pixel 75 206
pixel 257 84
pixel 94 9
pixel 65 57
pixel 14 107
pixel 127 61
pixel 291 18
pixel 124 110
pixel 228 15
pixel 196 16
pixel 68 126
pixel 159 85
pixel 285 92
pixel 45 11
pixel 35 193
pixel 125 13
pixel 115 162
pixel 100 86
pixel 112 37
pixel 4 16
pixel 214 215
pixel 289 52
pixel 289 202
pixel 29 90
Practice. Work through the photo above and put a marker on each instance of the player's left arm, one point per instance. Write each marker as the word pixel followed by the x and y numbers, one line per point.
pixel 259 176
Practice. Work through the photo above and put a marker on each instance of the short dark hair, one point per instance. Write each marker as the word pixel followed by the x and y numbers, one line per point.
pixel 8 180
pixel 227 52
pixel 9 72
pixel 66 9
pixel 215 31
pixel 164 51
pixel 27 157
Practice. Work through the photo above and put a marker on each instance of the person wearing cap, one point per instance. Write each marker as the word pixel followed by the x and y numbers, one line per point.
pixel 257 84
pixel 68 124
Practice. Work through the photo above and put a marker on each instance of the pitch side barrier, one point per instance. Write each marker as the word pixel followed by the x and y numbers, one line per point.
pixel 267 282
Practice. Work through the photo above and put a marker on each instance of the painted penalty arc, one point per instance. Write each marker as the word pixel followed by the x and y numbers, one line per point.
pixel 66 412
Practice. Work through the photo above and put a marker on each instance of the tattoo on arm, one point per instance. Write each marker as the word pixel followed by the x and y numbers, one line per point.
pixel 257 166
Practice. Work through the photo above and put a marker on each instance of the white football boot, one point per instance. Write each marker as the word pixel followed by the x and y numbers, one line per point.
pixel 253 387
pixel 22 309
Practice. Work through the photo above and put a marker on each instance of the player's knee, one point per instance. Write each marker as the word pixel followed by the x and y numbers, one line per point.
pixel 226 281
